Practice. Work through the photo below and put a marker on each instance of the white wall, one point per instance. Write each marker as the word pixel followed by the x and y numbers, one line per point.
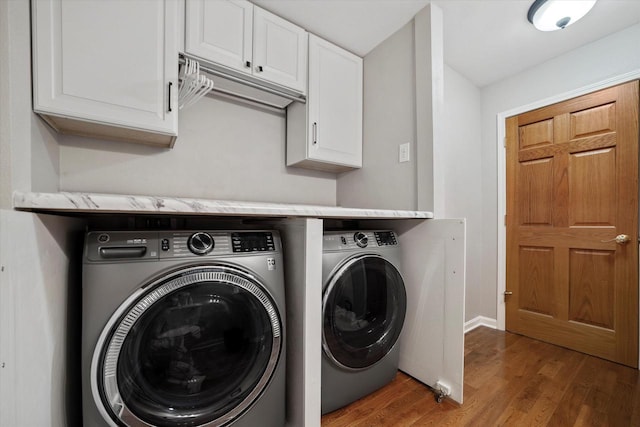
pixel 40 312
pixel 225 150
pixel 606 58
pixel 5 116
pixel 429 58
pixel 28 148
pixel 34 251
pixel 403 98
pixel 461 162
pixel 388 120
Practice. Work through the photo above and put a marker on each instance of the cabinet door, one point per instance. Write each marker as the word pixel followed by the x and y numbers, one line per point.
pixel 107 63
pixel 221 32
pixel 279 51
pixel 335 104
pixel 433 268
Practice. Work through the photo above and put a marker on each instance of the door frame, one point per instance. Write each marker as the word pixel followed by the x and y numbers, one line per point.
pixel 502 180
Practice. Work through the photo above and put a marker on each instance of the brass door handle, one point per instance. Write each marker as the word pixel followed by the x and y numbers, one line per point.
pixel 506 294
pixel 620 239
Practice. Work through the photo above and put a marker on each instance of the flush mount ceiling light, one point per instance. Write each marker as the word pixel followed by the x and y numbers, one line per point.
pixel 551 15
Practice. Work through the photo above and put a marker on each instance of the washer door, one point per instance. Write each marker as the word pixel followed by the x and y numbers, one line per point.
pixel 196 348
pixel 363 308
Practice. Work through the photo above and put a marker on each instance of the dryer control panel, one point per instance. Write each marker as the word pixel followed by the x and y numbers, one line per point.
pixel 348 240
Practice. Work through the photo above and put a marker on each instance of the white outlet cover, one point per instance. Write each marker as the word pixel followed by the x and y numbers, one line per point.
pixel 404 152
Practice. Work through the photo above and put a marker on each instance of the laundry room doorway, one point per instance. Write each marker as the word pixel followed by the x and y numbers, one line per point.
pixel 572 224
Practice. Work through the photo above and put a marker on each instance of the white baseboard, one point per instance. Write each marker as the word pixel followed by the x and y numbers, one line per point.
pixel 480 321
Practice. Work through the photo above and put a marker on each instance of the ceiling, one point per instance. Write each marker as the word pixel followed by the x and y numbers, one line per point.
pixel 485 40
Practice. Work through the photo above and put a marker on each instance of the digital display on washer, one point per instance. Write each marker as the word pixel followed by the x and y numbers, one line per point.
pixel 252 242
pixel 385 238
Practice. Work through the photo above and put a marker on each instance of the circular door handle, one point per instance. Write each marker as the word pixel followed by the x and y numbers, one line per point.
pixel 508 293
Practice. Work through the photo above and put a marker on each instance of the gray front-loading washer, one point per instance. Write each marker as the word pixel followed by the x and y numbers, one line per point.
pixel 183 328
pixel 363 309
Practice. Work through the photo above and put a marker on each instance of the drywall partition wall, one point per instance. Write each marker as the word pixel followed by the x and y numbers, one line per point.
pixel 5 115
pixel 429 54
pixel 302 243
pixel 461 128
pixel 610 57
pixel 45 156
pixel 225 150
pixel 28 149
pixel 33 274
pixel 402 104
pixel 388 121
pixel 40 320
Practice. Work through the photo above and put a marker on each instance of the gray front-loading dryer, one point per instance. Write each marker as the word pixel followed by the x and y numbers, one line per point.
pixel 363 309
pixel 183 328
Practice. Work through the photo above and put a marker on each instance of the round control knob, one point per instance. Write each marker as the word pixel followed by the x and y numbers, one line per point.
pixel 200 243
pixel 361 239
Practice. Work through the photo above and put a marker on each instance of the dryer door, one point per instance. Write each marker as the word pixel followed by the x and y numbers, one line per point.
pixel 195 348
pixel 364 306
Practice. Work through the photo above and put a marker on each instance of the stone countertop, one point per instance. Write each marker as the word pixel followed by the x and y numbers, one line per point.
pixel 91 203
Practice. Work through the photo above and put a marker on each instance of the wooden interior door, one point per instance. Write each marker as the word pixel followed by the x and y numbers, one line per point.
pixel 572 187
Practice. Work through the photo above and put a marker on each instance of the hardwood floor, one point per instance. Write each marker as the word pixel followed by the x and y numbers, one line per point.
pixel 509 380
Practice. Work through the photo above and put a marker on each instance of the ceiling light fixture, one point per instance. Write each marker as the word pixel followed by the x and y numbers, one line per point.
pixel 551 15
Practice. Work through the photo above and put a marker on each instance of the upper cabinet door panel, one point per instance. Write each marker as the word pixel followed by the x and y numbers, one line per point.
pixel 279 50
pixel 221 32
pixel 335 104
pixel 106 62
pixel 245 40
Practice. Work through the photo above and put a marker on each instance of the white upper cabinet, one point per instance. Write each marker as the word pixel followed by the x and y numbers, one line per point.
pixel 220 32
pixel 107 68
pixel 279 50
pixel 326 134
pixel 248 40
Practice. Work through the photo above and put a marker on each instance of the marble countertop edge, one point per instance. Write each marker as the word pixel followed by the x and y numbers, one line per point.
pixel 94 203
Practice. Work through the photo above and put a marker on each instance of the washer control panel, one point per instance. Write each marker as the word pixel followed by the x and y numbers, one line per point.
pixel 132 245
pixel 178 244
pixel 350 240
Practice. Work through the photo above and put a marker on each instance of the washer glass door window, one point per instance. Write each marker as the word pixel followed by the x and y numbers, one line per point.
pixel 197 349
pixel 364 307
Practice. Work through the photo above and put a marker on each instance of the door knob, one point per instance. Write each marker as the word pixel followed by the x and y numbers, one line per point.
pixel 620 239
pixel 506 293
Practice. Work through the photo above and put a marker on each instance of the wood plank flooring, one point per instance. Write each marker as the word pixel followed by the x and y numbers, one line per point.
pixel 509 380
